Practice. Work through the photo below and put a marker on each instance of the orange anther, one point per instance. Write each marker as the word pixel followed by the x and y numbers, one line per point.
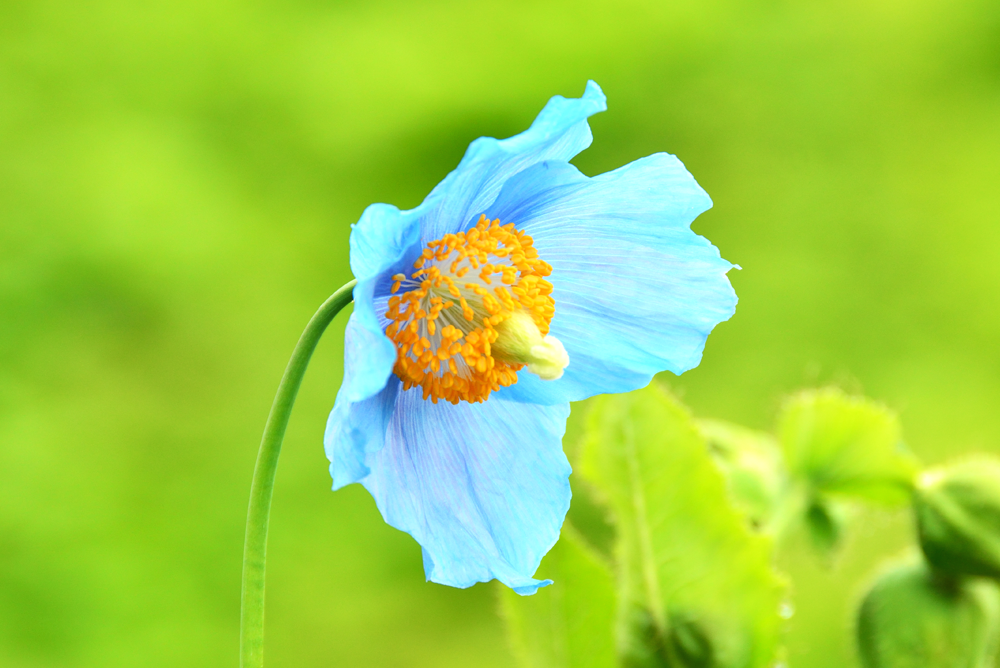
pixel 450 356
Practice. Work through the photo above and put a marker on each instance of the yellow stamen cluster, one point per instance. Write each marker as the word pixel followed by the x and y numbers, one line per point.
pixel 444 322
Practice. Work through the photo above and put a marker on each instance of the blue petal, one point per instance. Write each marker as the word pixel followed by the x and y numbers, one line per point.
pixel 384 237
pixel 482 487
pixel 636 291
pixel 379 241
pixel 356 429
pixel 381 237
pixel 559 133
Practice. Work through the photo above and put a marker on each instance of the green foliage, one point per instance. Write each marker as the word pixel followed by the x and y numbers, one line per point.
pixel 591 518
pixel 830 449
pixel 687 512
pixel 751 462
pixel 958 517
pixel 913 618
pixel 695 585
pixel 849 446
pixel 569 624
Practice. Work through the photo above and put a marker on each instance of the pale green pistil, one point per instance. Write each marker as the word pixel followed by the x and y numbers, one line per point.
pixel 519 340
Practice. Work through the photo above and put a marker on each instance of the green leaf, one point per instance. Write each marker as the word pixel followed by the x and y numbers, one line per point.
pixel 569 624
pixel 845 445
pixel 752 465
pixel 591 519
pixel 696 587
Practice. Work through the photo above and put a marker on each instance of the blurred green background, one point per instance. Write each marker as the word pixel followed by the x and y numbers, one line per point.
pixel 177 184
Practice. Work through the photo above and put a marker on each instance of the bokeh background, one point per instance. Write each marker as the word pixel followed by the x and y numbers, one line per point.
pixel 177 184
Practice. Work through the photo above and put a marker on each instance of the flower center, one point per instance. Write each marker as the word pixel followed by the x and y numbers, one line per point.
pixel 474 312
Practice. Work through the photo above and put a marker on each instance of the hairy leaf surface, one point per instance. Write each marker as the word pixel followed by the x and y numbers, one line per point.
pixel 696 586
pixel 846 445
pixel 752 465
pixel 569 624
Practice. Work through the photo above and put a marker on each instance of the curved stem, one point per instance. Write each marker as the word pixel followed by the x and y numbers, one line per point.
pixel 255 545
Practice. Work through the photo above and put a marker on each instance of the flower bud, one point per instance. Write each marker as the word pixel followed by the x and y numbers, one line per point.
pixel 958 517
pixel 916 618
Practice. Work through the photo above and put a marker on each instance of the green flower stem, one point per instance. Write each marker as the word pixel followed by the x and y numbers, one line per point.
pixel 255 546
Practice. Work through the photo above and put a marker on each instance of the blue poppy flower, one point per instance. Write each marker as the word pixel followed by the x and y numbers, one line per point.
pixel 518 286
